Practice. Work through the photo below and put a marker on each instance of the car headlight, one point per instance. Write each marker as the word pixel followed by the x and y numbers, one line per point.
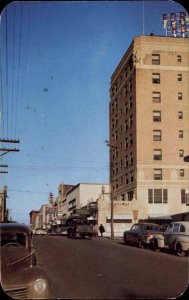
pixel 40 285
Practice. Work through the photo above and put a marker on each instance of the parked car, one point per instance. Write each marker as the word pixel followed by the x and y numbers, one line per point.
pixel 40 231
pixel 141 234
pixel 175 238
pixel 58 229
pixel 163 227
pixel 21 278
pixel 79 226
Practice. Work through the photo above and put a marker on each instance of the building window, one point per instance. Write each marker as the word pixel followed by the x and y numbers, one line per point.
pixel 157 174
pixel 180 134
pixel 126 72
pixel 179 58
pixel 127 179
pixel 130 122
pixel 156 78
pixel 157 116
pixel 131 158
pixel 126 143
pixel 183 196
pixel 72 204
pixel 132 176
pixel 181 153
pixel 179 96
pixel 131 139
pixel 130 84
pixel 130 196
pixel 157 154
pixel 181 172
pixel 179 77
pixel 126 161
pixel 165 196
pixel 180 115
pixel 156 96
pixel 130 102
pixel 150 196
pixel 155 59
pixel 126 107
pixel 122 197
pixel 157 135
pixel 157 196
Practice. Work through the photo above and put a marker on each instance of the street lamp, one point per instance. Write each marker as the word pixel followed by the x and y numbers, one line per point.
pixel 111 145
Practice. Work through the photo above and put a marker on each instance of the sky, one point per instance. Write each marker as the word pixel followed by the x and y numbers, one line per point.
pixel 56 62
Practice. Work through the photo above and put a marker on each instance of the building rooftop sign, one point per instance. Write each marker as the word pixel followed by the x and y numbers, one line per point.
pixel 176 24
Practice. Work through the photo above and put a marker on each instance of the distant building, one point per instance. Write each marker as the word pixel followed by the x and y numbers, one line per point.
pixel 33 218
pixel 81 195
pixel 43 216
pixel 63 189
pixel 149 129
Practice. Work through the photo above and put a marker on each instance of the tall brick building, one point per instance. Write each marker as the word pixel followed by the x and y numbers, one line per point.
pixel 149 127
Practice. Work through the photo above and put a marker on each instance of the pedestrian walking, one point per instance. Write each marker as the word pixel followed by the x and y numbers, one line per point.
pixel 101 229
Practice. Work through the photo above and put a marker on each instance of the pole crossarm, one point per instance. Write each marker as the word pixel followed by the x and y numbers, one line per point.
pixel 9 141
pixel 9 149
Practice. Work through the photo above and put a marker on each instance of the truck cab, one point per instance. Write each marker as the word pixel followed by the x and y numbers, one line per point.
pixel 78 226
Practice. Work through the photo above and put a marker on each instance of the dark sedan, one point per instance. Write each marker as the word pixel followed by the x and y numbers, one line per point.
pixel 141 234
pixel 20 277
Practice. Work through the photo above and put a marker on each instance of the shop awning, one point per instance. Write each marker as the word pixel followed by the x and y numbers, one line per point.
pixel 159 217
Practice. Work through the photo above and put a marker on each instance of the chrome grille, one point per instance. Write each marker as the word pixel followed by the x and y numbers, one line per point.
pixel 17 292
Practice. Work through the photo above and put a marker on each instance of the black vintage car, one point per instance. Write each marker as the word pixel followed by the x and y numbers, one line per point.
pixel 141 234
pixel 21 278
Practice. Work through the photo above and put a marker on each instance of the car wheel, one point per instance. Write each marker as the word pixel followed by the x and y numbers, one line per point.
pixel 73 235
pixel 140 244
pixel 179 250
pixel 155 245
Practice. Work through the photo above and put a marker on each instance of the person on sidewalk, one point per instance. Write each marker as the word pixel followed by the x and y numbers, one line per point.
pixel 101 229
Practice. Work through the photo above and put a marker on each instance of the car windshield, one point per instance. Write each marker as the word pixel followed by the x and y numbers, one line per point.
pixel 13 238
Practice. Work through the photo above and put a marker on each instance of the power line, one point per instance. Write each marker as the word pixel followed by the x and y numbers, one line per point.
pixel 13 63
pixel 19 60
pixel 7 81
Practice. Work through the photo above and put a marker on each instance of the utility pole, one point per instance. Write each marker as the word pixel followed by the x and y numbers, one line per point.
pixel 111 144
pixel 6 150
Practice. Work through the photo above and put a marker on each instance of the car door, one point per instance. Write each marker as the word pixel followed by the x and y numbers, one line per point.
pixel 173 236
pixel 131 233
pixel 136 233
pixel 167 235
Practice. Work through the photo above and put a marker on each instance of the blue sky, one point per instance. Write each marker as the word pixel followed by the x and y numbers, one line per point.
pixel 57 59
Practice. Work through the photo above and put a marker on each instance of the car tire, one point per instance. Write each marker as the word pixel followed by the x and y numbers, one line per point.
pixel 155 245
pixel 179 250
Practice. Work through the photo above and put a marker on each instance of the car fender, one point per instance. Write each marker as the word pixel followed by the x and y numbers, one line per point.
pixel 160 240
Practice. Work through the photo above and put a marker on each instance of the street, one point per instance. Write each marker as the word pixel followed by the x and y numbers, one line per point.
pixel 104 268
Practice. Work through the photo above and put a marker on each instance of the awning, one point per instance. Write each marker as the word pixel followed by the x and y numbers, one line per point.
pixel 158 217
pixel 120 217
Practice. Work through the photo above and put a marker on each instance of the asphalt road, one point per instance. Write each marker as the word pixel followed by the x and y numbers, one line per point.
pixel 103 268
